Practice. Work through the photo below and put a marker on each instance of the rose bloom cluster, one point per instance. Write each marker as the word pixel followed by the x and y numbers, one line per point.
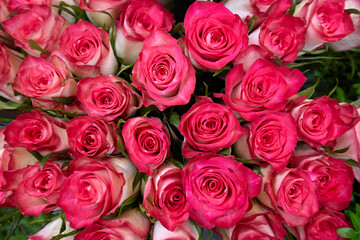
pixel 114 136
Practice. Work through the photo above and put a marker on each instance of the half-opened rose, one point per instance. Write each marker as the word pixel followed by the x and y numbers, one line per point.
pixel 52 229
pixel 88 51
pixel 162 73
pixel 208 127
pixel 185 231
pixel 164 197
pixel 219 190
pixel 95 189
pixel 263 89
pixel 147 142
pixel 214 35
pixel 91 136
pixel 108 97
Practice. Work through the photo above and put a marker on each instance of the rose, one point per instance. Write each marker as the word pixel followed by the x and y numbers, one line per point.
pixel 326 21
pixel 16 5
pixel 37 131
pixel 162 73
pixel 164 197
pixel 108 97
pixel 9 62
pixel 208 127
pixel 39 189
pixel 258 223
pixel 131 225
pixel 214 35
pixel 38 24
pixel 292 192
pixel 95 189
pixel 271 138
pixel 185 231
pixel 52 229
pixel 263 89
pixel 219 190
pixel 147 142
pixel 281 36
pixel 138 18
pixel 335 179
pixel 91 136
pixel 88 51
pixel 323 119
pixel 43 80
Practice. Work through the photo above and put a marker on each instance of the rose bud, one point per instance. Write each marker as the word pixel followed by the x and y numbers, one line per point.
pixel 52 229
pixel 214 35
pixel 43 80
pixel 292 192
pixel 263 89
pixel 37 131
pixel 185 231
pixel 137 19
pixel 40 25
pixel 258 223
pixel 91 136
pixel 108 97
pixel 147 142
pixel 219 190
pixel 162 73
pixel 88 51
pixel 95 188
pixel 323 119
pixel 164 197
pixel 131 225
pixel 208 127
pixel 326 21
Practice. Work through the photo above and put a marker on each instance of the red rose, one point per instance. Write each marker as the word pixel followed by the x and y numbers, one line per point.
pixel 108 97
pixel 95 189
pixel 147 142
pixel 162 73
pixel 214 35
pixel 263 89
pixel 91 136
pixel 164 197
pixel 88 51
pixel 219 190
pixel 208 127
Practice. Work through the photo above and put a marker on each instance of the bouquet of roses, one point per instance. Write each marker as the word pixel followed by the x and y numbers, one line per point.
pixel 145 119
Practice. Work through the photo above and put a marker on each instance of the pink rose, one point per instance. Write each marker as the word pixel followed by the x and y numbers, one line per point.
pixel 326 21
pixel 258 223
pixel 37 131
pixel 138 18
pixel 219 190
pixel 164 197
pixel 52 229
pixel 323 119
pixel 185 231
pixel 147 142
pixel 108 97
pixel 16 5
pixel 91 136
pixel 131 225
pixel 43 80
pixel 39 189
pixel 38 24
pixel 162 73
pixel 208 127
pixel 282 36
pixel 214 35
pixel 263 89
pixel 335 179
pixel 88 51
pixel 271 138
pixel 292 192
pixel 95 189
pixel 9 65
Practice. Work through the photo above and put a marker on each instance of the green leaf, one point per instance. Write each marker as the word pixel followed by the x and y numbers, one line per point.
pixel 346 232
pixel 246 160
pixel 37 155
pixel 14 212
pixel 37 47
pixel 292 9
pixel 121 121
pixel 14 225
pixel 358 209
pixel 356 103
pixel 316 52
pixel 224 68
pixel 176 163
pixel 197 229
pixel 128 202
pixel 352 10
pixel 64 100
pixel 340 94
pixel 44 160
pixel 352 163
pixel 334 89
pixel 179 29
pixel 63 222
pixel 6 120
pixel 60 236
pixel 174 119
pixel 251 23
pixel 124 68
pixel 5 106
pixel 296 65
pixel 343 150
pixel 355 221
pixel 137 179
pixel 122 150
pixel 309 91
